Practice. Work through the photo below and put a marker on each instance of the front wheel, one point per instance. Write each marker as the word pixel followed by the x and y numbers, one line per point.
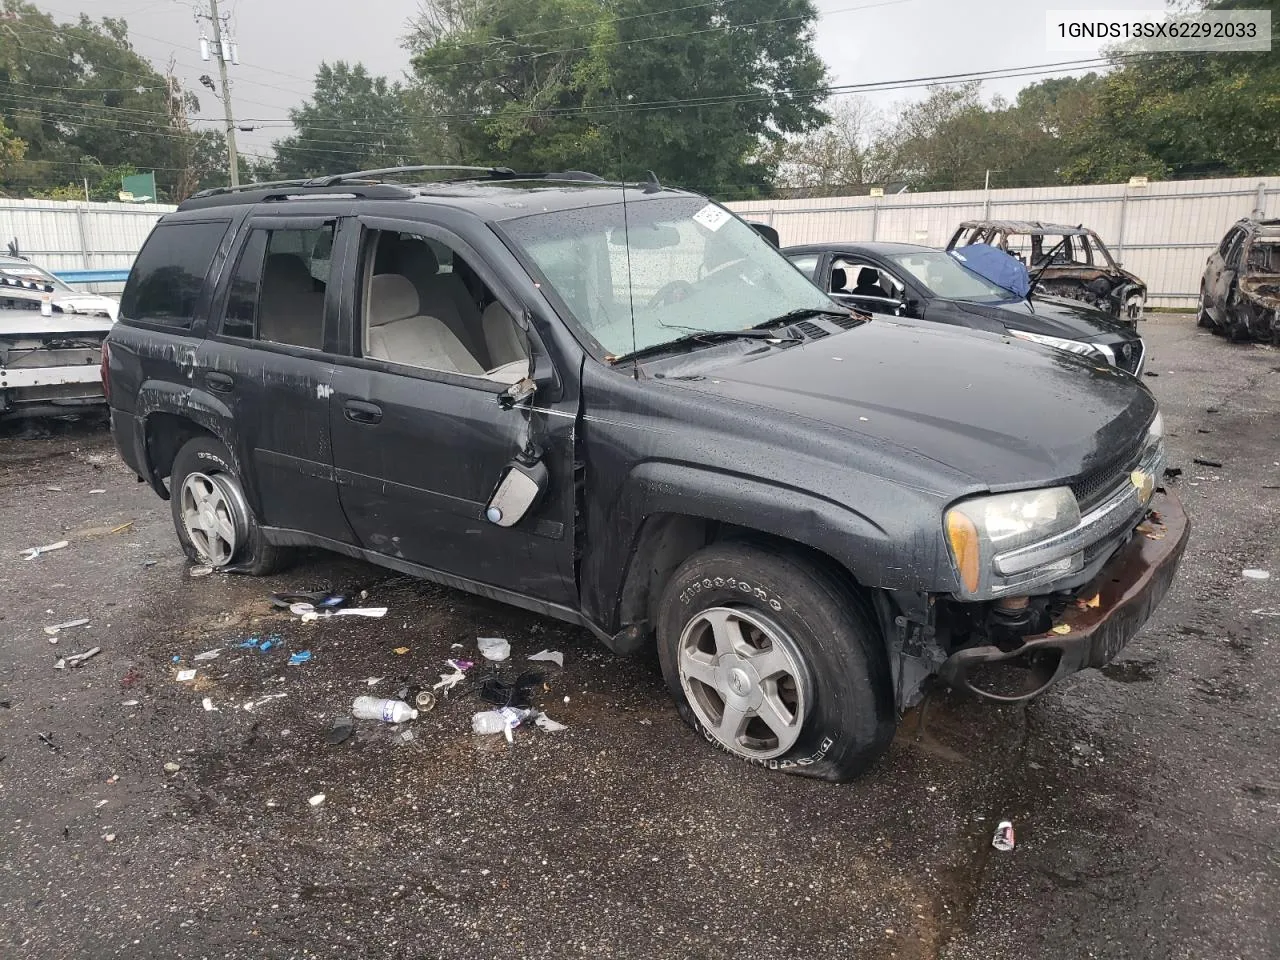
pixel 210 514
pixel 777 661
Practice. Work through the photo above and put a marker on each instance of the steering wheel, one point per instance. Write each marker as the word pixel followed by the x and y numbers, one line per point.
pixel 673 292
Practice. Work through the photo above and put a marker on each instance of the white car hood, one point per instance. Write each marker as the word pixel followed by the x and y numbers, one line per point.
pixel 87 303
pixel 31 323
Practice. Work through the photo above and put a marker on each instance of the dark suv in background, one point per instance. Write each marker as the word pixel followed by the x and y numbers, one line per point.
pixel 620 406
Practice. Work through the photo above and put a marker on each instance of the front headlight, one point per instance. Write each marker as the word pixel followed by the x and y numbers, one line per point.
pixel 1095 350
pixel 981 529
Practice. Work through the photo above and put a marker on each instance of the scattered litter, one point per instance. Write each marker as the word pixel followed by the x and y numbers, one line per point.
pixel 551 656
pixel 406 736
pixel 266 645
pixel 97 491
pixel 373 681
pixel 388 711
pixel 185 675
pixel 1256 574
pixel 1172 473
pixel 302 656
pixel 494 648
pixel 1062 629
pixel 129 703
pixel 113 778
pixel 54 489
pixel 1091 604
pixel 316 800
pixel 1263 612
pixel 1206 463
pixel 32 552
pixel 122 527
pixel 502 721
pixel 76 659
pixel 253 705
pixel 209 654
pixel 317 600
pixel 100 804
pixel 341 730
pixel 200 571
pixel 172 767
pixel 59 627
pixel 250 644
pixel 502 693
pixel 400 651
pixel 450 680
pixel 646 722
pixel 543 722
pixel 149 563
pixel 455 646
pixel 109 837
pixel 424 701
pixel 208 705
pixel 309 613
pixel 47 740
pixel 1003 840
pixel 1151 373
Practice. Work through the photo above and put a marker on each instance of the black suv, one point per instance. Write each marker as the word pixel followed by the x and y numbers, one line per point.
pixel 619 405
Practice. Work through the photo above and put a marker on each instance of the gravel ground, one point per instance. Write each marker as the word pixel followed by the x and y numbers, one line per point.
pixel 1145 796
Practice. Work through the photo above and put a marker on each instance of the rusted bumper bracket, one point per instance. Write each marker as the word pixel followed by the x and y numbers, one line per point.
pixel 1128 588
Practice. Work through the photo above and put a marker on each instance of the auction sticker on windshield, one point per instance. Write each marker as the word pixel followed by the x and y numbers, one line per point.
pixel 712 217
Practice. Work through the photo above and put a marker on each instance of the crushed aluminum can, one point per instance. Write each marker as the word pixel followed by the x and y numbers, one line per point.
pixel 1003 840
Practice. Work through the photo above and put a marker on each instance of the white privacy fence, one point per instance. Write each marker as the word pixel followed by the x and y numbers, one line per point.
pixel 61 235
pixel 1162 232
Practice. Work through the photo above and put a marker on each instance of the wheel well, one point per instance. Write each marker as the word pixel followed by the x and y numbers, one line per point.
pixel 166 435
pixel 666 540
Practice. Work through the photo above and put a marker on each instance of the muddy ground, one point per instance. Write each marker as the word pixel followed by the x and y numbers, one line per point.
pixel 1145 796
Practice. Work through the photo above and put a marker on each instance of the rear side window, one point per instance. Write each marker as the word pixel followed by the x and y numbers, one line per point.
pixel 278 288
pixel 168 276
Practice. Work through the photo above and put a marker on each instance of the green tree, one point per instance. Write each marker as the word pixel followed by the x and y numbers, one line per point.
pixel 697 94
pixel 353 121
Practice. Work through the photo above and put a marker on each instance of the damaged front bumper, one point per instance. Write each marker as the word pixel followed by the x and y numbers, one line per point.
pixel 1105 615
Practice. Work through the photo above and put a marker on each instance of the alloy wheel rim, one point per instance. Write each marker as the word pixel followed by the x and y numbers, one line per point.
pixel 746 681
pixel 209 517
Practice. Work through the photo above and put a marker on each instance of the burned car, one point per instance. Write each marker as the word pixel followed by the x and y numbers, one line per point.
pixel 50 359
pixel 1240 289
pixel 619 405
pixel 1072 262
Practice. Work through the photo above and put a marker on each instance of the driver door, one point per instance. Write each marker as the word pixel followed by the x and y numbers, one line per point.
pixel 420 439
pixel 887 295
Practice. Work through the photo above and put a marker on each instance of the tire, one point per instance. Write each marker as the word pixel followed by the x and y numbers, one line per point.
pixel 1203 318
pixel 204 471
pixel 830 690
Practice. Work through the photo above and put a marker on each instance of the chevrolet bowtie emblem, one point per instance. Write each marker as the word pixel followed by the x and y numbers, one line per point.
pixel 1145 482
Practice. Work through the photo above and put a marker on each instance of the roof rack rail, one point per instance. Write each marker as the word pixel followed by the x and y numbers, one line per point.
pixel 240 188
pixel 332 180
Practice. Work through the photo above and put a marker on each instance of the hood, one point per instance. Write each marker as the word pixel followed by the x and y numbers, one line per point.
pixel 90 303
pixel 18 323
pixel 1051 316
pixel 1000 412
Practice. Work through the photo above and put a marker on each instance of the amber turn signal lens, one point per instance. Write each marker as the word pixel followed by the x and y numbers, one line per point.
pixel 963 536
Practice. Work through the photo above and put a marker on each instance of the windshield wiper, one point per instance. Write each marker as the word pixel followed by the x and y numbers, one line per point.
pixel 705 336
pixel 803 313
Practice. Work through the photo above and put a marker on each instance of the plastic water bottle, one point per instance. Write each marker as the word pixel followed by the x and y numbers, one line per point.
pixel 388 711
pixel 498 721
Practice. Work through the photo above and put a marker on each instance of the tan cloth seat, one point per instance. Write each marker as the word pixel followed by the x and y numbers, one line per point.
pixel 502 336
pixel 399 333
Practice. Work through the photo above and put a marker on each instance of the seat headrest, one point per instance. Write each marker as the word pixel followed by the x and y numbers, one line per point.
pixel 391 297
pixel 839 279
pixel 868 277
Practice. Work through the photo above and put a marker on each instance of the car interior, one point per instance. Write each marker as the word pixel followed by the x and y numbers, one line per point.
pixel 869 281
pixel 425 307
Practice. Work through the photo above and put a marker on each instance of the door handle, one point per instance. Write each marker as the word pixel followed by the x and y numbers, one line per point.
pixel 219 382
pixel 360 411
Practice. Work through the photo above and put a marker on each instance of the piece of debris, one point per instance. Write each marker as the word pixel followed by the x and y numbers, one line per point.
pixel 340 732
pixel 1263 612
pixel 406 736
pixel 54 489
pixel 59 627
pixel 172 767
pixel 1091 604
pixel 1206 463
pixel 122 527
pixel 494 648
pixel 185 675
pixel 302 656
pixel 317 600
pixel 200 571
pixel 308 612
pixel 400 651
pixel 129 703
pixel 373 681
pixel 98 490
pixel 1151 373
pixel 32 552
pixel 100 804
pixel 316 800
pixel 1062 629
pixel 109 837
pixel 424 701
pixel 250 644
pixel 209 654
pixel 207 703
pixel 266 645
pixel 551 656
pixel 1256 574
pixel 503 720
pixel 1172 473
pixel 47 740
pixel 543 722
pixel 502 693
pixel 1003 840
pixel 76 659
pixel 388 711
pixel 253 705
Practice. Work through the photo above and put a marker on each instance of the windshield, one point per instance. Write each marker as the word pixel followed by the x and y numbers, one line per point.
pixel 29 273
pixel 689 267
pixel 946 279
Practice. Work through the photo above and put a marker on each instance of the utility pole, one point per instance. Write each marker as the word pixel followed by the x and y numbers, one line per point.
pixel 225 51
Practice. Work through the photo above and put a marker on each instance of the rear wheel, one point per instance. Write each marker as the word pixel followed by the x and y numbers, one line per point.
pixel 210 514
pixel 1203 319
pixel 773 659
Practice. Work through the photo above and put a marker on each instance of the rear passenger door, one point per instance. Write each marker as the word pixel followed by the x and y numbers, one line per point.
pixel 267 357
pixel 420 440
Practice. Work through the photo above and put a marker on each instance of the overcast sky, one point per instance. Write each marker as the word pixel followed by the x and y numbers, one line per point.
pixel 862 41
